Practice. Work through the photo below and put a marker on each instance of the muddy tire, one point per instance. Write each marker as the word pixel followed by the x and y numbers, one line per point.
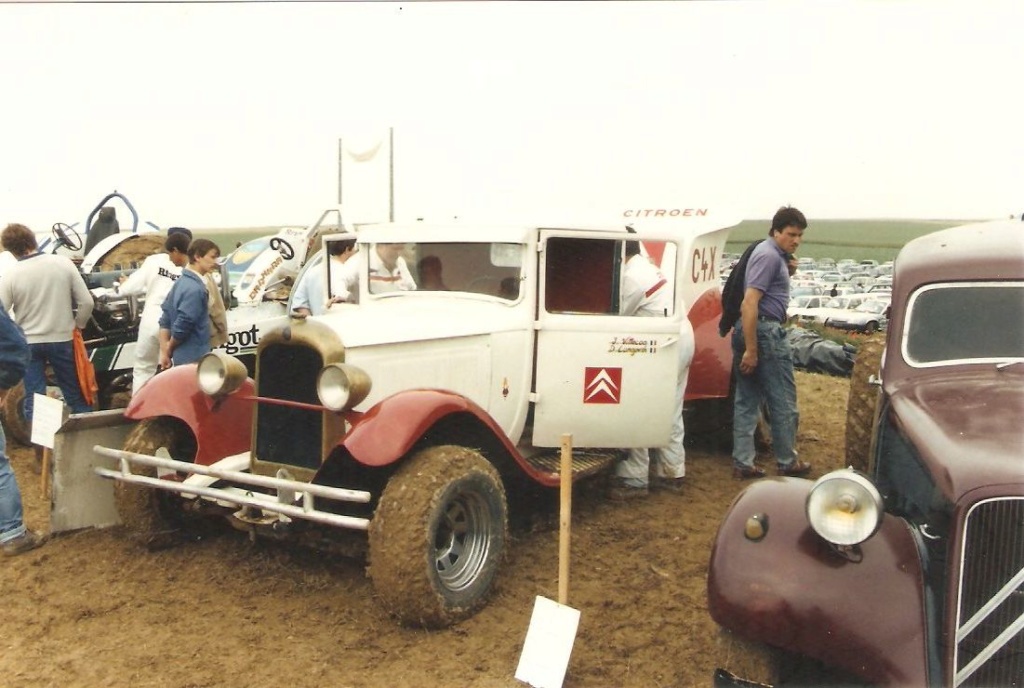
pixel 130 253
pixel 16 426
pixel 710 421
pixel 438 536
pixel 151 515
pixel 861 406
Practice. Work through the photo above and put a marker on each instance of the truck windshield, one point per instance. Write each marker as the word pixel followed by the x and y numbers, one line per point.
pixel 965 322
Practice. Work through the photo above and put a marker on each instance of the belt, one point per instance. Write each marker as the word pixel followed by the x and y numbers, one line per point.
pixel 765 318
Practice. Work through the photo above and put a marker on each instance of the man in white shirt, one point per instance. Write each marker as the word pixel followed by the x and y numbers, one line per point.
pixel 388 271
pixel 311 293
pixel 645 292
pixel 154 278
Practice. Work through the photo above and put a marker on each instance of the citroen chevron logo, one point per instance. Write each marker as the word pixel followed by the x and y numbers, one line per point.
pixel 602 385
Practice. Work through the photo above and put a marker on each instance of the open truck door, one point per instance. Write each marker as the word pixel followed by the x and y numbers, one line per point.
pixel 593 365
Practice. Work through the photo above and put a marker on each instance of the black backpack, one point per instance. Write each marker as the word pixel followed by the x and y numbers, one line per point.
pixel 732 292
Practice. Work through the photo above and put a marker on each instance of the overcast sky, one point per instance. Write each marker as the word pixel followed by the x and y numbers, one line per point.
pixel 224 114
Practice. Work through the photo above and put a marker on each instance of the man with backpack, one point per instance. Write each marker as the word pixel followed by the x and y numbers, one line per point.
pixel 762 358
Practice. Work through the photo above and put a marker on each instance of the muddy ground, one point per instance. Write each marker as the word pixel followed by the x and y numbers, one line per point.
pixel 93 608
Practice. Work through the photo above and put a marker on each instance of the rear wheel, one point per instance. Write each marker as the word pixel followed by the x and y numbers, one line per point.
pixel 151 515
pixel 15 424
pixel 438 536
pixel 861 406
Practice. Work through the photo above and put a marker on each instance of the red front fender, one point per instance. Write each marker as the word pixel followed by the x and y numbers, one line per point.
pixel 790 590
pixel 221 427
pixel 388 431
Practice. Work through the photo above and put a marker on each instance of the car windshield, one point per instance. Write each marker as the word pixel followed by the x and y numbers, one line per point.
pixel 480 268
pixel 976 322
pixel 873 307
pixel 239 260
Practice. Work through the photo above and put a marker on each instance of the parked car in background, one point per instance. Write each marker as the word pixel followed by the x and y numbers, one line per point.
pixel 832 307
pixel 868 317
pixel 801 307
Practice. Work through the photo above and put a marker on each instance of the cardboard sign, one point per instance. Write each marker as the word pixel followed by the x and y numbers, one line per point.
pixel 549 642
pixel 47 417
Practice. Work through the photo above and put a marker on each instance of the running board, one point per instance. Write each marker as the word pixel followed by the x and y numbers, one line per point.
pixel 585 462
pixel 291 498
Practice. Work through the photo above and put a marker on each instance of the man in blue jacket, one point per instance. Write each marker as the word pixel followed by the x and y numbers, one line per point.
pixel 185 320
pixel 14 354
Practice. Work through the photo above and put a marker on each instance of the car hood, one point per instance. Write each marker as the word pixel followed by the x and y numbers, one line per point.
pixel 966 426
pixel 419 317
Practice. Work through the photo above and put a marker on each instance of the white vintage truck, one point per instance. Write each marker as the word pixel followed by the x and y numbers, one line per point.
pixel 420 417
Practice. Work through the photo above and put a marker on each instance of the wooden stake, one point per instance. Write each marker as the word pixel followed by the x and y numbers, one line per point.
pixel 565 519
pixel 44 476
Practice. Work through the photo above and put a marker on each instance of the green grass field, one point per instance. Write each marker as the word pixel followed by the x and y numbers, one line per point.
pixel 879 240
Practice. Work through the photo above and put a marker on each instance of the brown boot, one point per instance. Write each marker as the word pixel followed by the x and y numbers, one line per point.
pixel 37 461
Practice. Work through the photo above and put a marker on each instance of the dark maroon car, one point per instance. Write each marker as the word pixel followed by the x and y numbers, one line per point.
pixel 908 568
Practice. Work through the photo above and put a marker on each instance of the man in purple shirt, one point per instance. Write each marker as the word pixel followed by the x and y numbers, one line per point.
pixel 762 358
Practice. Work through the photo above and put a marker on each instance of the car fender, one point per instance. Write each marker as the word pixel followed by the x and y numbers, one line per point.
pixel 791 589
pixel 222 426
pixel 389 430
pixel 712 359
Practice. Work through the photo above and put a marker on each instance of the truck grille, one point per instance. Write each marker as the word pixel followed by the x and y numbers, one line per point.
pixel 285 434
pixel 990 620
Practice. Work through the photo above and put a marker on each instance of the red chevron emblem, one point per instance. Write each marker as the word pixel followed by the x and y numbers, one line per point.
pixel 602 385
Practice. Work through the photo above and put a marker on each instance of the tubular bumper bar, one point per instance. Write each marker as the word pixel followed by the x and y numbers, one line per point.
pixel 287 491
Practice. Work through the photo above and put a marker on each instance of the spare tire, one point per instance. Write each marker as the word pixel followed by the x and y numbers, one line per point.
pixel 861 406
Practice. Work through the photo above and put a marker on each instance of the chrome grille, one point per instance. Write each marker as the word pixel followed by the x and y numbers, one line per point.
pixel 286 434
pixel 990 618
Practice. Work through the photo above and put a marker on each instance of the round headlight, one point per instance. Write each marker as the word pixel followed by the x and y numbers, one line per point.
pixel 219 374
pixel 341 387
pixel 844 507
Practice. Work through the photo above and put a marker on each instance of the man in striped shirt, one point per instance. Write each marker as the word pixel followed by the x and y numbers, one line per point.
pixel 388 271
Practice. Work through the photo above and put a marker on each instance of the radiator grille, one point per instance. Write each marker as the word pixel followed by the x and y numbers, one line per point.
pixel 990 620
pixel 284 434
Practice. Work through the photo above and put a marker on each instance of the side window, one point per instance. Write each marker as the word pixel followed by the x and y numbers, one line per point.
pixel 581 275
pixel 595 276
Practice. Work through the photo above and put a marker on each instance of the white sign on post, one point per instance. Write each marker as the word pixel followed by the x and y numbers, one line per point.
pixel 47 417
pixel 548 645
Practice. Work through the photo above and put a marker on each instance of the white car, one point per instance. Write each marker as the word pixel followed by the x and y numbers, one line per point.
pixel 868 317
pixel 832 307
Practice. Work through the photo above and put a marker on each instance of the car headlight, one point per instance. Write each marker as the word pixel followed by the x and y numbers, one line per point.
pixel 219 373
pixel 341 386
pixel 844 507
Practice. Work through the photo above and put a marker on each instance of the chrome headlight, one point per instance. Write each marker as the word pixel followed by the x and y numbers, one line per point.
pixel 341 386
pixel 844 507
pixel 219 373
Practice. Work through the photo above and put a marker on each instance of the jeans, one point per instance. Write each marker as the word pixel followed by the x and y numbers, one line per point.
pixel 772 383
pixel 61 357
pixel 11 524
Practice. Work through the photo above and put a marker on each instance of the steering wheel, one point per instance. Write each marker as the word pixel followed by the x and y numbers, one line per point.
pixel 63 233
pixel 282 246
